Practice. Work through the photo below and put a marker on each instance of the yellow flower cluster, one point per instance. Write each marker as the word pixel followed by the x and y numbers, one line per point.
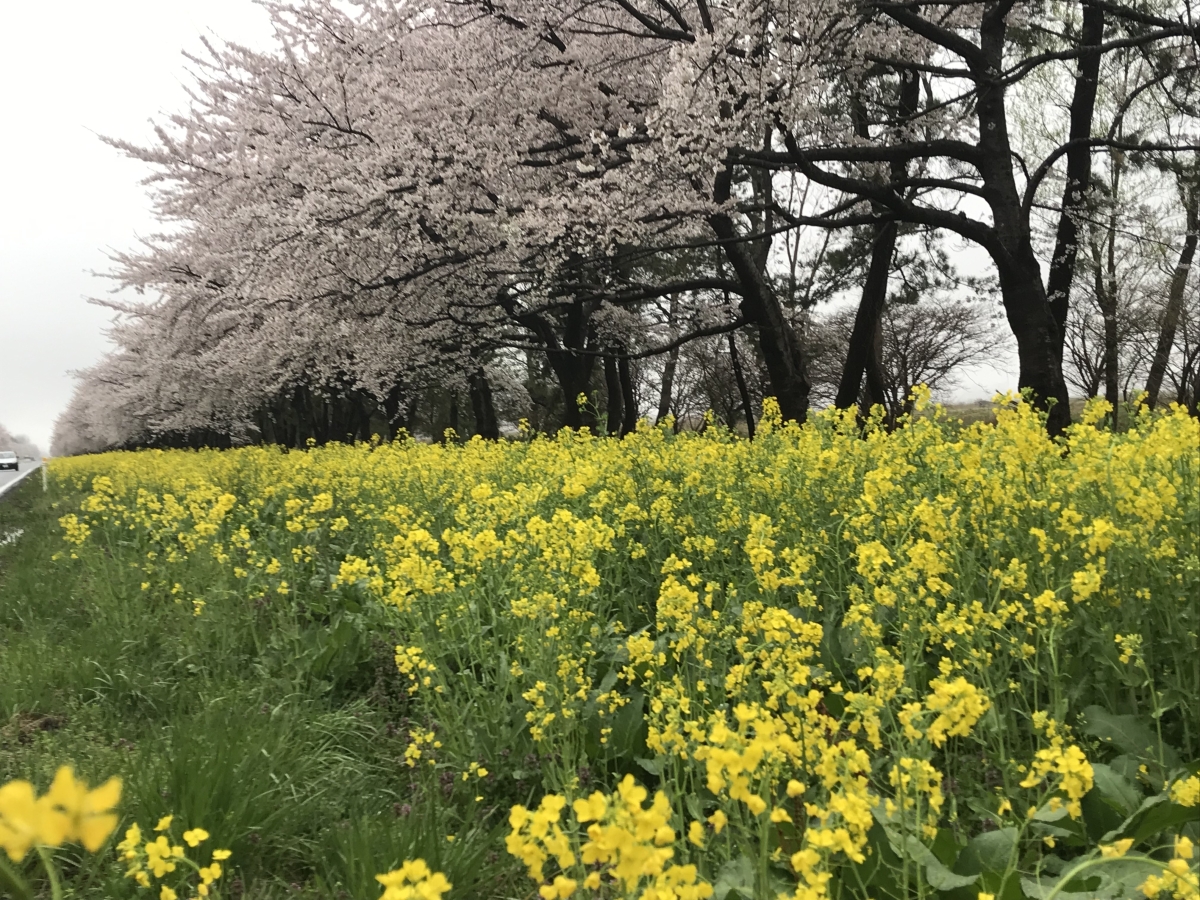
pixel 1181 879
pixel 818 631
pixel 958 704
pixel 537 836
pixel 1068 762
pixel 69 811
pixel 414 880
pixel 411 662
pixel 1186 791
pixel 159 858
pixel 626 845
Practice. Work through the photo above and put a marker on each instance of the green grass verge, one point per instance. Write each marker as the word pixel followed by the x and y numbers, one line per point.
pixel 241 722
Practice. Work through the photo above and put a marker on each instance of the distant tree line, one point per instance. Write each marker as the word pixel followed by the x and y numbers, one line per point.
pixel 18 443
pixel 458 214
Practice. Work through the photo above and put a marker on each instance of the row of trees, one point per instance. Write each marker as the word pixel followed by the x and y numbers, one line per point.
pixel 455 213
pixel 18 443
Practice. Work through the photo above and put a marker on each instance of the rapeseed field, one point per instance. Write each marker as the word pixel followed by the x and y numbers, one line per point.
pixel 944 661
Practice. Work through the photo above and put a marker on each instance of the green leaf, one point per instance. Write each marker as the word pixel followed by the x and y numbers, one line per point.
pixel 946 846
pixel 991 851
pixel 1128 734
pixel 881 864
pixel 1115 789
pixel 653 766
pixel 1126 765
pixel 1161 817
pixel 1116 879
pixel 1154 819
pixel 1046 814
pixel 942 879
pixel 1099 817
pixel 736 877
pixel 1040 890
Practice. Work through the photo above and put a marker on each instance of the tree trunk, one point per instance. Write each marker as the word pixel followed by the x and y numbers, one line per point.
pixel 668 376
pixel 573 372
pixel 743 391
pixel 864 337
pixel 782 351
pixel 1106 299
pixel 875 390
pixel 668 386
pixel 615 400
pixel 1170 321
pixel 483 406
pixel 1038 342
pixel 628 397
pixel 454 424
pixel 1079 169
pixel 1039 338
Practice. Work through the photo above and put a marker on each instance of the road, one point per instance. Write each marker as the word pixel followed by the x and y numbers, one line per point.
pixel 8 477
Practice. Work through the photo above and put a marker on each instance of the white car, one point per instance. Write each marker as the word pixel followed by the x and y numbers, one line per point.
pixel 8 460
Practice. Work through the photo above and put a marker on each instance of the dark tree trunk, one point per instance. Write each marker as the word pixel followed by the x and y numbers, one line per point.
pixel 1170 321
pixel 1039 338
pixel 666 389
pixel 1079 169
pixel 571 365
pixel 864 356
pixel 875 390
pixel 735 360
pixel 1038 342
pixel 454 424
pixel 864 337
pixel 628 398
pixel 1106 299
pixel 614 399
pixel 668 386
pixel 483 406
pixel 782 352
pixel 398 416
pixel 573 373
pixel 781 349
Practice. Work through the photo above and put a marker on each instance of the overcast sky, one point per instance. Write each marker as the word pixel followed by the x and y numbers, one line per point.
pixel 68 72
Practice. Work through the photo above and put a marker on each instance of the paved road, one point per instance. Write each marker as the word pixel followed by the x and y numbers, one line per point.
pixel 9 477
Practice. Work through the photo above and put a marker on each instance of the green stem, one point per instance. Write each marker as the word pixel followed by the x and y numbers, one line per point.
pixel 13 884
pixel 56 891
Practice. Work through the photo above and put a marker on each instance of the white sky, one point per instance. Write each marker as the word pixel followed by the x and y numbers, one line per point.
pixel 69 71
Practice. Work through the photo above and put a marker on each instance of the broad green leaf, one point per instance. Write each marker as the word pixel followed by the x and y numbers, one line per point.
pixel 1115 789
pixel 653 766
pixel 1040 890
pixel 1159 818
pixel 736 877
pixel 1046 814
pixel 1116 879
pixel 1127 733
pixel 988 852
pixel 942 879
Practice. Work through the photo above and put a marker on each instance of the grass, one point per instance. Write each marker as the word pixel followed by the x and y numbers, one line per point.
pixel 296 767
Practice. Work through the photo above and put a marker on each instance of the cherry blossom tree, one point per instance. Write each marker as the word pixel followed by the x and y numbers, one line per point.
pixel 948 161
pixel 398 194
